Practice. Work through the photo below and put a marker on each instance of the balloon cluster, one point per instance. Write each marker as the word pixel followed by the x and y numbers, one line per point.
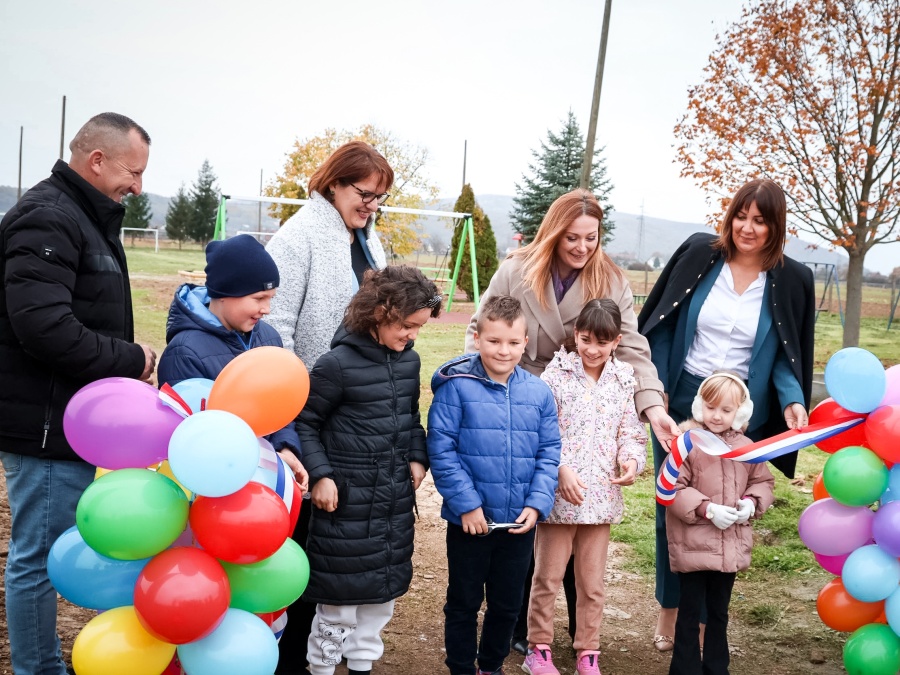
pixel 849 539
pixel 194 554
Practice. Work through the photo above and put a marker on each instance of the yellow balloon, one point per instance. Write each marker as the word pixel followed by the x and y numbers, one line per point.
pixel 166 471
pixel 101 472
pixel 114 643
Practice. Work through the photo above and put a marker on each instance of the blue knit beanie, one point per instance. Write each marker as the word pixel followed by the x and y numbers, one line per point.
pixel 239 266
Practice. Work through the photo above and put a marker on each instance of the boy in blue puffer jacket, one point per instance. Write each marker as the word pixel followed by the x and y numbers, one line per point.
pixel 494 446
pixel 210 325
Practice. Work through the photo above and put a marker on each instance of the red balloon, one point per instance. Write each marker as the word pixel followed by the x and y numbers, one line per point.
pixel 174 667
pixel 841 611
pixel 181 595
pixel 296 505
pixel 819 491
pixel 828 411
pixel 883 432
pixel 244 527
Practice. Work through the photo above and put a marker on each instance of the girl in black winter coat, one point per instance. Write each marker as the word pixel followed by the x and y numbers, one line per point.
pixel 364 448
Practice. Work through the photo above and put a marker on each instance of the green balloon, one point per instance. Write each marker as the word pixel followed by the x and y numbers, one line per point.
pixel 855 476
pixel 270 584
pixel 873 649
pixel 131 514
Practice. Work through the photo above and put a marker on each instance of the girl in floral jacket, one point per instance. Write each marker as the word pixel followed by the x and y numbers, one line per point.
pixel 603 448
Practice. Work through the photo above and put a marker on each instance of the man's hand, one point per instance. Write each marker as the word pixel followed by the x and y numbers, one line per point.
pixel 570 486
pixel 528 518
pixel 629 471
pixel 417 471
pixel 795 416
pixel 664 427
pixel 473 522
pixel 296 467
pixel 149 363
pixel 325 495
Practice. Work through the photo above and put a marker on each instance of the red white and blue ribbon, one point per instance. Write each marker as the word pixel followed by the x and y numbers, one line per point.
pixel 755 453
pixel 279 624
pixel 171 398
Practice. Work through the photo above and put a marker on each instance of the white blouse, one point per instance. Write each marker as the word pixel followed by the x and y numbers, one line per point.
pixel 726 327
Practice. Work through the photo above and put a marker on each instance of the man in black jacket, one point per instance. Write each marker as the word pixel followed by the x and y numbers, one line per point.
pixel 65 321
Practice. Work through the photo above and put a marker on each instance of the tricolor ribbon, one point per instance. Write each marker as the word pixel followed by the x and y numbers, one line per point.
pixel 171 398
pixel 755 453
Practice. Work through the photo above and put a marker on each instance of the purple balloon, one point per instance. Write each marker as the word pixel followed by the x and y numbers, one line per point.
pixel 833 564
pixel 119 423
pixel 886 528
pixel 892 390
pixel 833 529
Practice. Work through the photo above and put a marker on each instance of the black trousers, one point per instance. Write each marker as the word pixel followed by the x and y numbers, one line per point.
pixel 292 646
pixel 521 631
pixel 712 591
pixel 492 567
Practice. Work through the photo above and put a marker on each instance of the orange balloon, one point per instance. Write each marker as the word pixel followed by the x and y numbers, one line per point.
pixel 819 491
pixel 841 611
pixel 266 387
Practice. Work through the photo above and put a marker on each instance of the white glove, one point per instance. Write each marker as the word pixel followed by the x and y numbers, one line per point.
pixel 745 510
pixel 722 517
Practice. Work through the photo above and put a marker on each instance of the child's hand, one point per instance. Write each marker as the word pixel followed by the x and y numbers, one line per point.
pixel 417 471
pixel 746 509
pixel 528 518
pixel 296 467
pixel 325 495
pixel 570 486
pixel 629 471
pixel 721 516
pixel 473 522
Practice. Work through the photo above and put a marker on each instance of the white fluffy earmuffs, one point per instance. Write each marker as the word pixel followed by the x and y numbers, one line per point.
pixel 744 411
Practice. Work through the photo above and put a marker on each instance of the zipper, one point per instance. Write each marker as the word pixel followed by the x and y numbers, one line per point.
pixel 390 515
pixel 48 411
pixel 508 449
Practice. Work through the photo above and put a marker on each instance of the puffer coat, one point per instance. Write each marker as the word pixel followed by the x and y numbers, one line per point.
pixel 695 544
pixel 361 428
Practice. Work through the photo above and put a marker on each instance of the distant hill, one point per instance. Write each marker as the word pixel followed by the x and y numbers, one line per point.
pixel 660 236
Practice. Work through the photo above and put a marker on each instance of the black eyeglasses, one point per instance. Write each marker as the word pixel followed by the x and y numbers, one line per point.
pixel 367 196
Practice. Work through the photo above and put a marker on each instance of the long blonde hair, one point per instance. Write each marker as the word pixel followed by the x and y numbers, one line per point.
pixel 538 256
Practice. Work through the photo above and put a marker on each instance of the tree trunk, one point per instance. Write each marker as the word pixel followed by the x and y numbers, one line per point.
pixel 854 298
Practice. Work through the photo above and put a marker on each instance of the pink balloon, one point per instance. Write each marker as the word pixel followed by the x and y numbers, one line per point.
pixel 119 423
pixel 833 564
pixel 833 529
pixel 892 390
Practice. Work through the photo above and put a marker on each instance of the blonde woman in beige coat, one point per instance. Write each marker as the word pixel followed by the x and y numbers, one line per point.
pixel 554 277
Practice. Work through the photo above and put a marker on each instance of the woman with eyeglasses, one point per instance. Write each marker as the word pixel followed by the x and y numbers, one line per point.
pixel 322 253
pixel 324 249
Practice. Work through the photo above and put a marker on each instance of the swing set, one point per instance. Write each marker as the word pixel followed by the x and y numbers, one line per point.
pixel 468 234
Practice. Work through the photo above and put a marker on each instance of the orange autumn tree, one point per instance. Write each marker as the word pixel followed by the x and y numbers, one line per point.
pixel 807 93
pixel 412 189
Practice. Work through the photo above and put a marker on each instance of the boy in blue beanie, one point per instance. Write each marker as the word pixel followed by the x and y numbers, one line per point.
pixel 209 325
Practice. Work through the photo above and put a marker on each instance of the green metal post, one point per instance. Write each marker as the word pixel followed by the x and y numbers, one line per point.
pixel 219 232
pixel 459 255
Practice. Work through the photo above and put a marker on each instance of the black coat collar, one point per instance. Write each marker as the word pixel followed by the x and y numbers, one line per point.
pixel 105 212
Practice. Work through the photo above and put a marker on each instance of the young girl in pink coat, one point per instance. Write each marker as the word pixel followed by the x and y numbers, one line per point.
pixel 708 524
pixel 603 448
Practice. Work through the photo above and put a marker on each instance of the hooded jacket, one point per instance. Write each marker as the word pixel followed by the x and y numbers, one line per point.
pixel 65 311
pixel 491 445
pixel 600 431
pixel 198 345
pixel 695 544
pixel 361 428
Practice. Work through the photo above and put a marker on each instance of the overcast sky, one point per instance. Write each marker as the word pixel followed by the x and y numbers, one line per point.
pixel 238 82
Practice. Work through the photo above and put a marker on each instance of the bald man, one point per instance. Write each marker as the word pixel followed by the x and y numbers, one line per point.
pixel 65 321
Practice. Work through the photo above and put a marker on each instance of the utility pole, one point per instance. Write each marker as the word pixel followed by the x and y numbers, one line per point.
pixel 641 248
pixel 595 104
pixel 21 135
pixel 259 205
pixel 62 131
pixel 465 148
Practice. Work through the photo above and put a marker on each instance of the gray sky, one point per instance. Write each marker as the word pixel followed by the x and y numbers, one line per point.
pixel 237 82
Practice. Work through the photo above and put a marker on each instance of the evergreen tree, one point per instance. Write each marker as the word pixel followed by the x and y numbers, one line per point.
pixel 485 245
pixel 205 201
pixel 556 171
pixel 180 217
pixel 137 212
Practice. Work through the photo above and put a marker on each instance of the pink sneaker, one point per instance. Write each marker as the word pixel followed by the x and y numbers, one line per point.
pixel 539 661
pixel 587 664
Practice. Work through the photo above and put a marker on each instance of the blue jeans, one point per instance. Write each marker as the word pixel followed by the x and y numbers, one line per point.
pixel 42 495
pixel 494 566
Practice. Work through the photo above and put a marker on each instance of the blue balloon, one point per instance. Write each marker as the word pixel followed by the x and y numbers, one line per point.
pixel 887 497
pixel 213 453
pixel 855 379
pixel 892 611
pixel 242 645
pixel 86 578
pixel 194 391
pixel 894 479
pixel 871 574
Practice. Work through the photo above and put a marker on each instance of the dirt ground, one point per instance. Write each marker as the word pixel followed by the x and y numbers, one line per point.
pixel 796 643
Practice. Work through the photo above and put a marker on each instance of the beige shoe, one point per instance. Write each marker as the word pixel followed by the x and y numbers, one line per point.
pixel 663 643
